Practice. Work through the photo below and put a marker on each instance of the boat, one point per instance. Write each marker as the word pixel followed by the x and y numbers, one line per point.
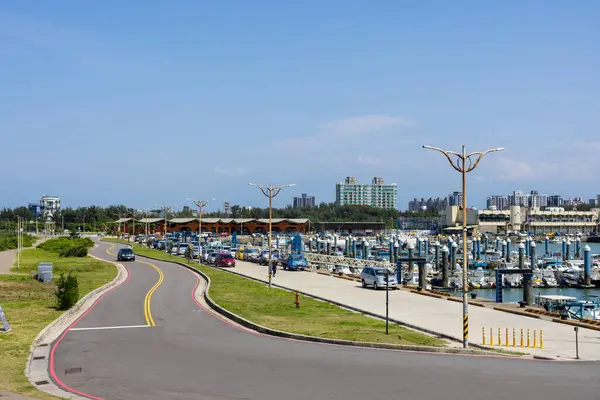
pixel 587 307
pixel 593 238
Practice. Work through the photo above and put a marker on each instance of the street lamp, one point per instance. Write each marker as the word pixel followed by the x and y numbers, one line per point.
pixel 270 192
pixel 464 163
pixel 200 204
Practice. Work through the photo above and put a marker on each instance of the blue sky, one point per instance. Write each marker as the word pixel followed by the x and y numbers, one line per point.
pixel 151 102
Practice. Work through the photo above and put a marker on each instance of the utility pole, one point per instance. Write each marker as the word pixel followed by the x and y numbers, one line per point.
pixel 270 192
pixel 464 164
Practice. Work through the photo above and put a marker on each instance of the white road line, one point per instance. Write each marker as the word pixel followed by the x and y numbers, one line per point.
pixel 109 327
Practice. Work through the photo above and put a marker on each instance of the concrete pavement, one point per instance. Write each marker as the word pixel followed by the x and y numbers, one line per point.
pixel 191 354
pixel 434 314
pixel 9 257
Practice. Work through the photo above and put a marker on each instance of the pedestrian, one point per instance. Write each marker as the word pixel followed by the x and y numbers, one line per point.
pixel 274 269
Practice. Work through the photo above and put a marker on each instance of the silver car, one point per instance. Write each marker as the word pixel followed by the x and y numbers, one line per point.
pixel 375 276
pixel 212 257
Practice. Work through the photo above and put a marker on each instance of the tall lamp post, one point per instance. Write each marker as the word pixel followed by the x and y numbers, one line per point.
pixel 464 163
pixel 200 204
pixel 270 192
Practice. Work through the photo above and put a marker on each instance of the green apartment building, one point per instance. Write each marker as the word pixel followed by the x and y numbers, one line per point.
pixel 376 194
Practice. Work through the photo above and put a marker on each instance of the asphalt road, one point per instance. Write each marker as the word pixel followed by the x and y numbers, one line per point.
pixel 191 354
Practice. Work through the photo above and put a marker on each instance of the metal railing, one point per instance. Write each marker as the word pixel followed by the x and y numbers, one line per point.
pixel 324 259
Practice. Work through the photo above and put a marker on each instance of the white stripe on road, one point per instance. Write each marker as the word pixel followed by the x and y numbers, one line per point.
pixel 109 327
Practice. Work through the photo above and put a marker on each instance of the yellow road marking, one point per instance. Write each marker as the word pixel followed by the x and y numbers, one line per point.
pixel 147 309
pixel 112 246
pixel 161 277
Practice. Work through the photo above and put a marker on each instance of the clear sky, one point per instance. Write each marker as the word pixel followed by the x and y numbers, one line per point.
pixel 151 102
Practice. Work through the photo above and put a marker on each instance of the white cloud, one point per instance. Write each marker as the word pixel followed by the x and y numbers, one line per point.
pixel 340 144
pixel 231 171
pixel 563 167
pixel 507 169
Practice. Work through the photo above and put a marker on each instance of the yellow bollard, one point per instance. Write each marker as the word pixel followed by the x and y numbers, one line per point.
pixel 514 338
pixel 506 337
pixel 483 333
pixel 521 337
pixel 491 337
pixel 499 338
pixel 534 339
pixel 528 338
pixel 541 339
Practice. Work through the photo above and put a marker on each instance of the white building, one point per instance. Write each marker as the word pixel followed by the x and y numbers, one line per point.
pixel 49 207
pixel 557 220
pixel 377 194
pixel 501 221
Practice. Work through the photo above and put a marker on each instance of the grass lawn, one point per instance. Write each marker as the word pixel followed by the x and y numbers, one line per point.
pixel 276 309
pixel 29 308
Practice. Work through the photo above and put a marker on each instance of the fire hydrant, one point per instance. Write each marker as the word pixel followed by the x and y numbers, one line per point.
pixel 297 300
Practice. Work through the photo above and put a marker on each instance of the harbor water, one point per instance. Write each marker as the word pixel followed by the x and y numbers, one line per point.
pixel 513 295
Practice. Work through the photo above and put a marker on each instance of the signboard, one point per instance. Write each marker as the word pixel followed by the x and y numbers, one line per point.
pixel 5 327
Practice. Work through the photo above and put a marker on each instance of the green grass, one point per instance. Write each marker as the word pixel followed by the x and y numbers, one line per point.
pixel 275 308
pixel 30 306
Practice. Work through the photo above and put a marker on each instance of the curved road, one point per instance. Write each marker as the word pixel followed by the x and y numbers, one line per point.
pixel 191 354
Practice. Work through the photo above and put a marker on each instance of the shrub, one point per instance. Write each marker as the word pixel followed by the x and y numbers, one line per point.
pixel 78 251
pixel 8 240
pixel 67 291
pixel 68 247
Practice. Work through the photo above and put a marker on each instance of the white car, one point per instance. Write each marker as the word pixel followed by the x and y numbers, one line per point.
pixel 182 248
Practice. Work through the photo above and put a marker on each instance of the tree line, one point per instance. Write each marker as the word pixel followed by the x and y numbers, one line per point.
pixel 330 212
pixel 97 217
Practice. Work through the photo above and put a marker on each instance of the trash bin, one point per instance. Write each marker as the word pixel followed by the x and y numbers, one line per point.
pixel 473 296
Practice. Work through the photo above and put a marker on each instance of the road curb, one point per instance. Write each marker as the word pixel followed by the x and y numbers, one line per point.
pixel 36 369
pixel 273 332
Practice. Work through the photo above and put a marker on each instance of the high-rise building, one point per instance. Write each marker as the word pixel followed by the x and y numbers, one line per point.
pixel 304 201
pixel 537 200
pixel 377 194
pixel 455 199
pixel 518 198
pixel 555 201
pixel 499 202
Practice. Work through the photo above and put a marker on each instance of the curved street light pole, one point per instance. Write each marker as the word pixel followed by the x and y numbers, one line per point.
pixel 464 163
pixel 270 192
pixel 200 204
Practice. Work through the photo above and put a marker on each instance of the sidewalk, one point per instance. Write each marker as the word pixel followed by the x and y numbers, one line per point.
pixel 9 257
pixel 434 314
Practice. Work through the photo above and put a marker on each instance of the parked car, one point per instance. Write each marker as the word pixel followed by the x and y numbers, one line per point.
pixel 125 254
pixel 264 257
pixel 212 257
pixel 250 252
pixel 224 259
pixel 182 248
pixel 294 262
pixel 375 277
pixel 239 254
